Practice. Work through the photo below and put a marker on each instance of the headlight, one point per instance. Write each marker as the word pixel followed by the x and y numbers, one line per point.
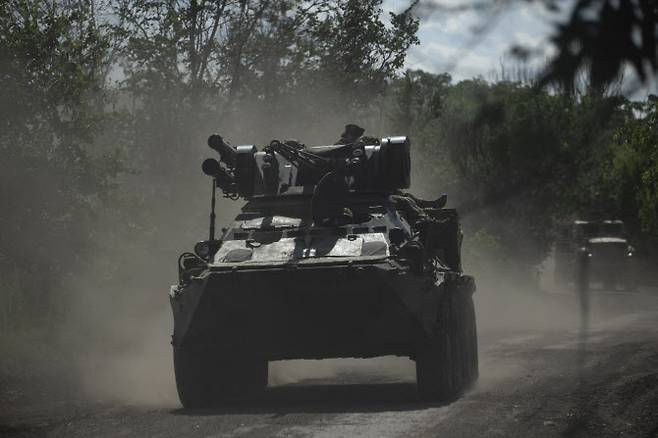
pixel 202 249
pixel 206 248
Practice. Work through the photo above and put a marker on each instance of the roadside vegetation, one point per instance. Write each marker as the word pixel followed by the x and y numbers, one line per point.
pixel 105 108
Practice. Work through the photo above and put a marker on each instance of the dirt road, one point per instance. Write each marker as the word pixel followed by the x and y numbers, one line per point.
pixel 540 376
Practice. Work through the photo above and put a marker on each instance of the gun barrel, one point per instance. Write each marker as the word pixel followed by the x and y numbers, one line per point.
pixel 227 153
pixel 212 168
pixel 302 157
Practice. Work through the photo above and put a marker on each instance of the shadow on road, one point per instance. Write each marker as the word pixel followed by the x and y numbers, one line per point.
pixel 352 398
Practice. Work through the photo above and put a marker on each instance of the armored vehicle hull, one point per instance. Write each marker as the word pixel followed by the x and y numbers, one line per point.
pixel 315 311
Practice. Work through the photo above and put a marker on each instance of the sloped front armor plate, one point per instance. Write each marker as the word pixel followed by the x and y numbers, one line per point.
pixel 309 312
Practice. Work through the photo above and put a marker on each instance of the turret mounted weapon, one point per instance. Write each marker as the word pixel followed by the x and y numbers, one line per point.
pixel 290 167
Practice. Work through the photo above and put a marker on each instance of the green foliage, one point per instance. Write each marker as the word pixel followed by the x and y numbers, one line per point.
pixel 52 65
pixel 601 37
pixel 516 160
pixel 513 159
pixel 355 50
pixel 634 168
pixel 259 49
pixel 415 103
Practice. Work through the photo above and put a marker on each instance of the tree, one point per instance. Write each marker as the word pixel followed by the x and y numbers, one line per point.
pixel 415 105
pixel 514 159
pixel 601 37
pixel 53 61
pixel 356 51
pixel 634 174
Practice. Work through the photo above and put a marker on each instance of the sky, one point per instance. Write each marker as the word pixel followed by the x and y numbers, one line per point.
pixel 450 41
pixel 468 44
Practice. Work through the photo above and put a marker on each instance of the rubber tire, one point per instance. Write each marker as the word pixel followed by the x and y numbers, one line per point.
pixel 447 362
pixel 205 378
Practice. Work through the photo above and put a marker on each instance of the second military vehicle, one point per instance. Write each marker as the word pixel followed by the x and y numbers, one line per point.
pixel 327 259
pixel 604 245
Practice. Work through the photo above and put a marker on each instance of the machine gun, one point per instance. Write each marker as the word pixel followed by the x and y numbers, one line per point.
pixel 298 157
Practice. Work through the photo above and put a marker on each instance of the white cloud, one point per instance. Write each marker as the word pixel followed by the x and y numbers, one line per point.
pixel 448 40
pixel 529 40
pixel 438 57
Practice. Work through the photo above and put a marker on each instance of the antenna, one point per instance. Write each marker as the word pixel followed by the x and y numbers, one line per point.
pixel 212 210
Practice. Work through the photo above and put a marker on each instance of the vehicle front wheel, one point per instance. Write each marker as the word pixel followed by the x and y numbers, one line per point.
pixel 207 378
pixel 447 361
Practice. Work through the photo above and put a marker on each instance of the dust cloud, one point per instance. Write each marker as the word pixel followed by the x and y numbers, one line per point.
pixel 118 332
pixel 377 370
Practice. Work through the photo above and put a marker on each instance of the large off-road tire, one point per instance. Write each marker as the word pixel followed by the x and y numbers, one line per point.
pixel 447 361
pixel 207 378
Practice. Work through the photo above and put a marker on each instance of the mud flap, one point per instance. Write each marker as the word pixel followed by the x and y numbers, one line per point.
pixel 446 359
pixel 420 297
pixel 184 302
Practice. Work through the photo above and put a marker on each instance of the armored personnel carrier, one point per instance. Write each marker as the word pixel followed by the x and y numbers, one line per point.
pixel 328 258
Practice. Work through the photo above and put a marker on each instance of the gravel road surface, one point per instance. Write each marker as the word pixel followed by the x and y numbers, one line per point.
pixel 540 375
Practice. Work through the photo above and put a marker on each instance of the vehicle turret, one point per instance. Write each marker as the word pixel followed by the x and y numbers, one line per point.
pixel 283 167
